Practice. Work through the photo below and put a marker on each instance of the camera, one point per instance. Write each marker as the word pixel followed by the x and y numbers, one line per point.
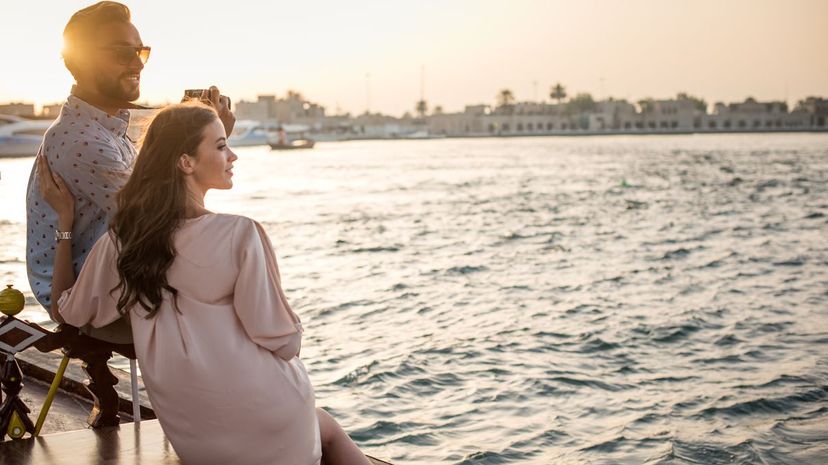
pixel 196 94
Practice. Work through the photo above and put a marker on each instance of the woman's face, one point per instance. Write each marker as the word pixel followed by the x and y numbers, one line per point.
pixel 213 163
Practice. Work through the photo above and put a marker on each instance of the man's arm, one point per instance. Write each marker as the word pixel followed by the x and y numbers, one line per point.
pixel 221 104
pixel 93 170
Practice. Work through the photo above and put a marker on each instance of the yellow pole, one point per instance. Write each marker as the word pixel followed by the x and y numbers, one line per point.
pixel 51 395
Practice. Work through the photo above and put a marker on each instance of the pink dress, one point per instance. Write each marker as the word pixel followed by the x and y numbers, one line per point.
pixel 223 374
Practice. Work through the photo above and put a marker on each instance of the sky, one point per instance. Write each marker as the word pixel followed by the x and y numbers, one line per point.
pixel 355 55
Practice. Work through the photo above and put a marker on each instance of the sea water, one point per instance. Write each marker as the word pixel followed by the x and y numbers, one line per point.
pixel 577 300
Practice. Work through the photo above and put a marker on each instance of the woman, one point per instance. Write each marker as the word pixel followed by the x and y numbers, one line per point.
pixel 215 337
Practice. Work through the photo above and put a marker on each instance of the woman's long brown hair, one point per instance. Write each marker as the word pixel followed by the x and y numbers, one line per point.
pixel 151 206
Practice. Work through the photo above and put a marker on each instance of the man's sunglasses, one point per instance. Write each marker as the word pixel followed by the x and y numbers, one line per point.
pixel 124 54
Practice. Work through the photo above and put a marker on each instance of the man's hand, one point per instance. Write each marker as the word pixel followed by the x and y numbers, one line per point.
pixel 222 105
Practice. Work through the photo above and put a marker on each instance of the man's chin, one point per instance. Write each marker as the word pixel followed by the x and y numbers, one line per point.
pixel 118 90
pixel 131 95
pixel 128 92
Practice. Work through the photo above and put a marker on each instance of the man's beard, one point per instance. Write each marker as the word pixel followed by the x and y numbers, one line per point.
pixel 113 89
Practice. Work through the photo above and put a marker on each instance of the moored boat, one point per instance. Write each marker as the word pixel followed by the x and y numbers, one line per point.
pixel 248 133
pixel 289 137
pixel 20 137
pixel 292 145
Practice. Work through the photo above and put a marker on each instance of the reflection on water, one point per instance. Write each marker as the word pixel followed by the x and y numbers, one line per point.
pixel 549 300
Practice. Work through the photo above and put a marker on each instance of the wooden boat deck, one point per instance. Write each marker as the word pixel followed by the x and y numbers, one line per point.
pixel 121 445
pixel 66 439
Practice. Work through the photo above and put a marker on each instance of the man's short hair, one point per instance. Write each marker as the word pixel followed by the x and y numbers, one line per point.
pixel 83 24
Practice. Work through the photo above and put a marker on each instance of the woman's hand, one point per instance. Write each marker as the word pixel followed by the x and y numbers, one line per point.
pixel 56 194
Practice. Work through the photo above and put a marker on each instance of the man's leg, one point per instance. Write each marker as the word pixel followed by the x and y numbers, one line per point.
pixel 101 385
pixel 95 354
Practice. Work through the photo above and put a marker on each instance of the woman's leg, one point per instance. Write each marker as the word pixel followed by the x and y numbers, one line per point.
pixel 337 446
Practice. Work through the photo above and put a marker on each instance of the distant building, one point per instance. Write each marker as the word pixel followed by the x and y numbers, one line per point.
pixel 671 115
pixel 378 126
pixel 293 109
pixel 579 115
pixel 51 111
pixel 613 115
pixel 260 110
pixel 752 115
pixel 817 109
pixel 25 110
pixel 680 115
pixel 467 123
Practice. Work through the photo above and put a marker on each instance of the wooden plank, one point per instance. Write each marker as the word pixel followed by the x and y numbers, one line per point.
pixel 121 445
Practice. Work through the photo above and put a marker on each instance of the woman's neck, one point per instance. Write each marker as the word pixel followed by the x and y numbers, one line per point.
pixel 195 213
pixel 195 203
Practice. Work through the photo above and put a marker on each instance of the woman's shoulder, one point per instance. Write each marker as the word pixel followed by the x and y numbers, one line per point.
pixel 214 219
pixel 237 220
pixel 244 227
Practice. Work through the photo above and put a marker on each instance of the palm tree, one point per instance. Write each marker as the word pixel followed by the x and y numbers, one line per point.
pixel 558 92
pixel 505 98
pixel 580 104
pixel 698 103
pixel 647 105
pixel 422 108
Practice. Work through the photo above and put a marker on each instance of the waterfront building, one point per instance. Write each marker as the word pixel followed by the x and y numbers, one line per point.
pixel 26 110
pixel 260 110
pixel 752 115
pixel 683 114
pixel 467 123
pixel 579 115
pixel 817 109
pixel 293 109
pixel 522 118
pixel 670 115
pixel 613 115
pixel 379 126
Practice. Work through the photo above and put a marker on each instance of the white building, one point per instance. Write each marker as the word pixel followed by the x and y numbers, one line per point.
pixel 817 108
pixel 293 109
pixel 752 115
pixel 25 110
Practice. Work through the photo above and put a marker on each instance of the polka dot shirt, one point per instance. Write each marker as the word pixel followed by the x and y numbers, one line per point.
pixel 92 153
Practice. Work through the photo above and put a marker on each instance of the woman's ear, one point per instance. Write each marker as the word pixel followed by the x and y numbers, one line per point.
pixel 185 163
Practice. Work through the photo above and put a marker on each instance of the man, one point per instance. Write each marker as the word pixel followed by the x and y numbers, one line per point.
pixel 88 146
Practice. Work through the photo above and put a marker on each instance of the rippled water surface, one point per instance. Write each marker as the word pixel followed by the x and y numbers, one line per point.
pixel 592 300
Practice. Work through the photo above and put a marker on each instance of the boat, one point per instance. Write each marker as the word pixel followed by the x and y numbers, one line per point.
pixel 67 440
pixel 422 134
pixel 111 445
pixel 21 137
pixel 292 145
pixel 289 137
pixel 56 381
pixel 248 133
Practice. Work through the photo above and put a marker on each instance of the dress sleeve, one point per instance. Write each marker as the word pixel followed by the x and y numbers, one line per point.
pixel 258 298
pixel 89 300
